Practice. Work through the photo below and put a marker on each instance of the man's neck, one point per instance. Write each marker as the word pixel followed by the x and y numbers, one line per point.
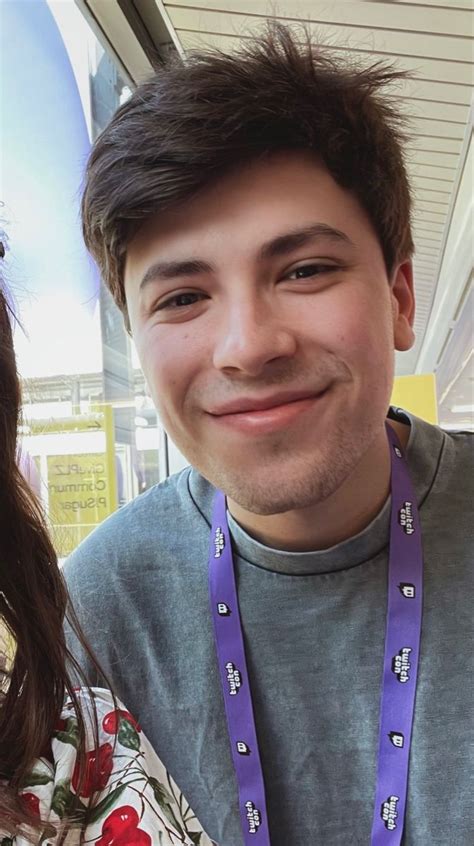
pixel 320 526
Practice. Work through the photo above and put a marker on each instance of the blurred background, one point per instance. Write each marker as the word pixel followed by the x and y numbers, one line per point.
pixel 91 440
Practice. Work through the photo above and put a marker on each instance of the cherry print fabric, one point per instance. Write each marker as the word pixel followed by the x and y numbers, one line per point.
pixel 138 803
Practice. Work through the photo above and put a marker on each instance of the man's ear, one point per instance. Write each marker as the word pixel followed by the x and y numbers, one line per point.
pixel 403 306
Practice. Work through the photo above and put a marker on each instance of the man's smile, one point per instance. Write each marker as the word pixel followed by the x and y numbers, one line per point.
pixel 266 414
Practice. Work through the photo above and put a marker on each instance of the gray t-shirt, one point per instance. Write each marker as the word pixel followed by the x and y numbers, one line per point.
pixel 314 627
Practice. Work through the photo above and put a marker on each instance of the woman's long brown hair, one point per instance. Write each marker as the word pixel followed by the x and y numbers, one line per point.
pixel 33 606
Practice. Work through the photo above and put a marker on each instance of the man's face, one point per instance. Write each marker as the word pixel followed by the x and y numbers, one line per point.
pixel 266 326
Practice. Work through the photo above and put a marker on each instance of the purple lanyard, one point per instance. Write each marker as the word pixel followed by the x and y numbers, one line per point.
pixel 402 642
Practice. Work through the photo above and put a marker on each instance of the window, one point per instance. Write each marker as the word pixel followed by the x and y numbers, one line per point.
pixel 90 439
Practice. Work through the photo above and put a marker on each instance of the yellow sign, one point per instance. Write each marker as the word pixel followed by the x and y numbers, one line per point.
pixel 79 496
pixel 95 422
pixel 82 488
pixel 418 395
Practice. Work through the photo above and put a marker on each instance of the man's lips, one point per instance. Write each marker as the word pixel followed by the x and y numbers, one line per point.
pixel 266 415
pixel 247 405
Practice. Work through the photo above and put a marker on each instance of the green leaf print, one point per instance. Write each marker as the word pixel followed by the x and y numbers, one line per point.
pixel 195 836
pixel 165 801
pixel 101 809
pixel 33 779
pixel 69 732
pixel 65 802
pixel 62 798
pixel 128 736
pixel 162 794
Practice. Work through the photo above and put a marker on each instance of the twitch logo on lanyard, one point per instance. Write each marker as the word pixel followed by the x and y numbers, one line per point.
pixel 234 678
pixel 405 518
pixel 401 665
pixel 389 812
pixel 397 739
pixel 219 542
pixel 254 817
pixel 407 590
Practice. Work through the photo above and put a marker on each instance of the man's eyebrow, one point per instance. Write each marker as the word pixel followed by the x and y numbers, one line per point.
pixel 283 244
pixel 160 271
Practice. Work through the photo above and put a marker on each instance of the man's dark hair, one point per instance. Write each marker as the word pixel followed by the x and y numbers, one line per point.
pixel 196 120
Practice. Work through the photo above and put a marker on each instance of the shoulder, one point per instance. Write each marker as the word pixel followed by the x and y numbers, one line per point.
pixel 126 792
pixel 455 462
pixel 461 445
pixel 438 458
pixel 442 471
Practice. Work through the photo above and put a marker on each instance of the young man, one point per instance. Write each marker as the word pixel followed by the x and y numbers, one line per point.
pixel 251 215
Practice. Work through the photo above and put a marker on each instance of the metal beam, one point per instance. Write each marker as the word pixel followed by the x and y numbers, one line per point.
pixel 117 36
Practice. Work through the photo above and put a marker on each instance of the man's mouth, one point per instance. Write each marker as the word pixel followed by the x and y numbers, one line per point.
pixel 265 414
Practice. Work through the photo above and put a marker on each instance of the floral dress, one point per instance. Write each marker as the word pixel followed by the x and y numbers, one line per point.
pixel 137 804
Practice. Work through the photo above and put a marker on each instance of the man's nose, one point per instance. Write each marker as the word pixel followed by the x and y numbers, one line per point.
pixel 252 336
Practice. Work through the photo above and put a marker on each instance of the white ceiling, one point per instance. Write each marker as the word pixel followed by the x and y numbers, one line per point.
pixel 431 38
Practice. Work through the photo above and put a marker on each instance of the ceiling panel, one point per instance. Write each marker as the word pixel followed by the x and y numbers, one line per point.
pixel 436 128
pixel 420 43
pixel 376 15
pixel 449 4
pixel 436 144
pixel 421 206
pixel 424 178
pixel 425 244
pixel 424 67
pixel 444 160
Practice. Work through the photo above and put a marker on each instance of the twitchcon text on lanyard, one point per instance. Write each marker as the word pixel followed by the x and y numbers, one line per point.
pixel 402 641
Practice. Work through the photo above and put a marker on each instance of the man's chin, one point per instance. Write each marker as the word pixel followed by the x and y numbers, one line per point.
pixel 286 481
pixel 270 494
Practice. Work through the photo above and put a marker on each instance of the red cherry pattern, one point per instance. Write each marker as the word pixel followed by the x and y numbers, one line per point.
pixel 32 803
pixel 98 768
pixel 121 829
pixel 111 721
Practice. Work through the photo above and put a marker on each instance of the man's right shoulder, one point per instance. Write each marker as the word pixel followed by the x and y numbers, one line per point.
pixel 147 529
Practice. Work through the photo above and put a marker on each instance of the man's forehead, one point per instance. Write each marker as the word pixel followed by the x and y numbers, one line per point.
pixel 235 186
pixel 251 208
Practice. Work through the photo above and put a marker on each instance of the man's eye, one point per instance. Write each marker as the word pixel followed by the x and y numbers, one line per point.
pixel 305 271
pixel 180 300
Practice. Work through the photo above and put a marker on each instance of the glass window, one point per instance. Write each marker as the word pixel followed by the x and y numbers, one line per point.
pixel 90 440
